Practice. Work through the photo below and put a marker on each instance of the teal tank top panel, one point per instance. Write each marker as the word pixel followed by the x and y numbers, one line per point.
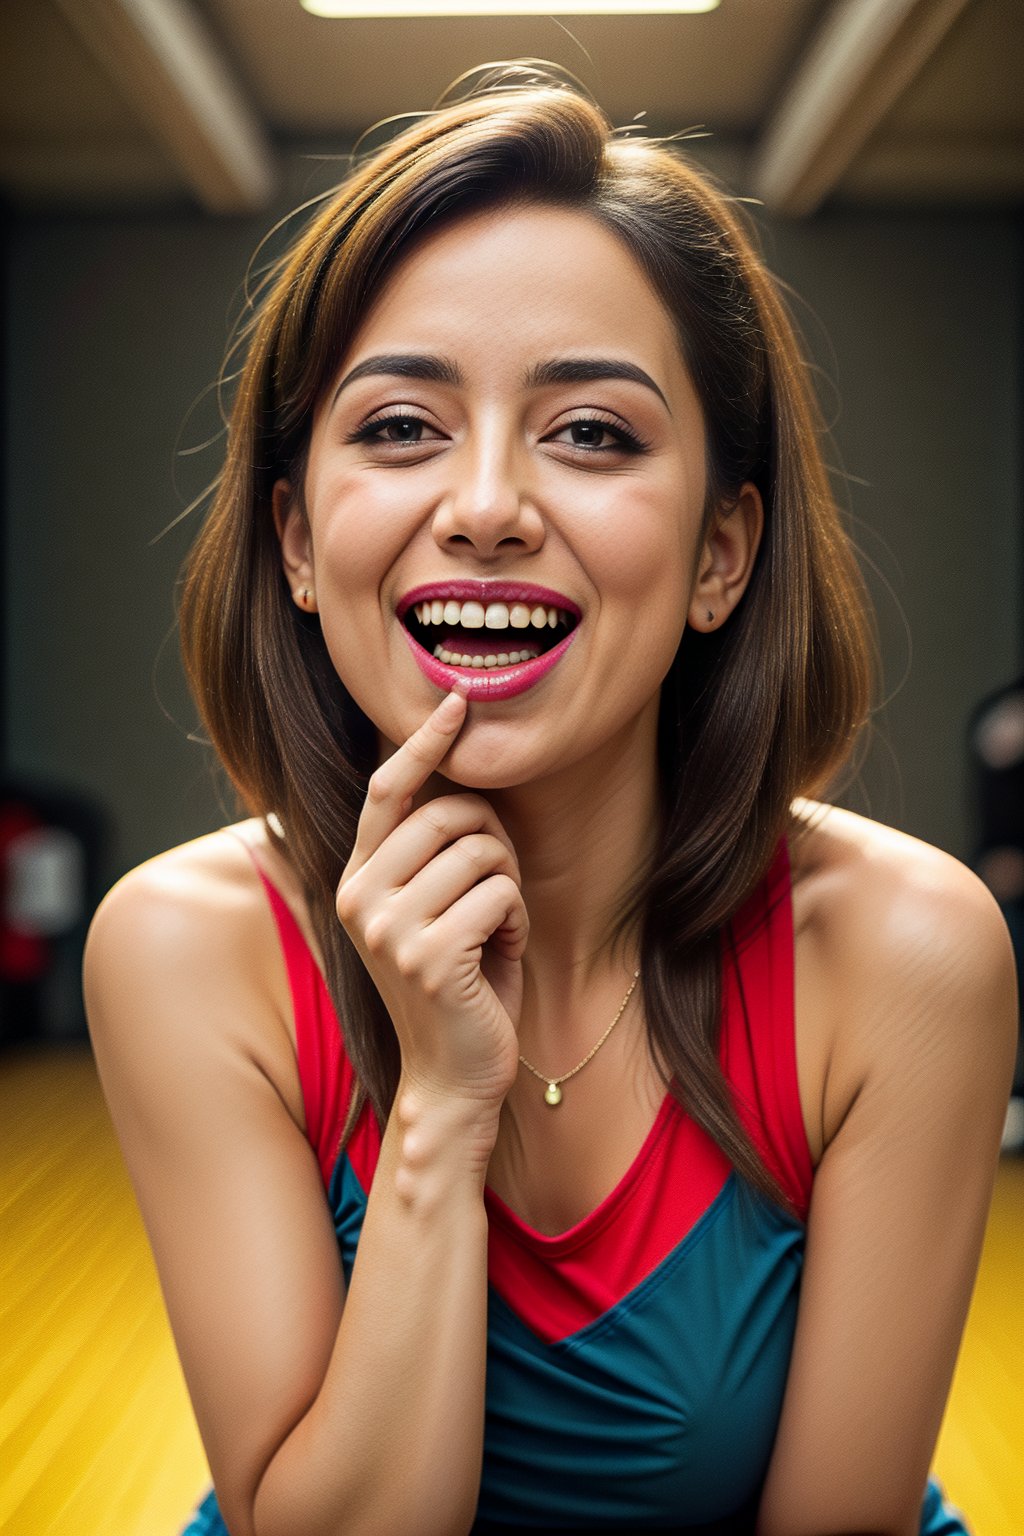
pixel 637 1364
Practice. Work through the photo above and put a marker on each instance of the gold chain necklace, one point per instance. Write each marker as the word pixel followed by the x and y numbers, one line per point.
pixel 553 1091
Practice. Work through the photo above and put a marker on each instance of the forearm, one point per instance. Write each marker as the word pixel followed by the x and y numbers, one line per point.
pixel 393 1441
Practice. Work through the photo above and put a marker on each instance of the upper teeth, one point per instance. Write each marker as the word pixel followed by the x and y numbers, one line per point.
pixel 494 616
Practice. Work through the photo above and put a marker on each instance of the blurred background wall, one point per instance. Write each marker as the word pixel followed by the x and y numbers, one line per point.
pixel 118 295
pixel 146 147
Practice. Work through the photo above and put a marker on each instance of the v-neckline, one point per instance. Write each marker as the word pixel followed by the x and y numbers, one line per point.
pixel 597 1218
pixel 555 1244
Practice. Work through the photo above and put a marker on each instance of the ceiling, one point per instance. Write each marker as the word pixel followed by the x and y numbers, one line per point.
pixel 122 103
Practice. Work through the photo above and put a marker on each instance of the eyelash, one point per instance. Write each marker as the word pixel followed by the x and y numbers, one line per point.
pixel 369 430
pixel 626 441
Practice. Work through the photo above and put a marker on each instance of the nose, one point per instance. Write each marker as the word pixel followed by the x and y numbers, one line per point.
pixel 489 507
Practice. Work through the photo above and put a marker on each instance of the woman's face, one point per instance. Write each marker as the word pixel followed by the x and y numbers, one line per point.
pixel 514 414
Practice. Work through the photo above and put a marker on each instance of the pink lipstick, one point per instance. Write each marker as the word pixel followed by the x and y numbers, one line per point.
pixel 465 620
pixel 488 592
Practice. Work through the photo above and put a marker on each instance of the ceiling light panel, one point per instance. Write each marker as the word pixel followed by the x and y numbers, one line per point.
pixel 352 10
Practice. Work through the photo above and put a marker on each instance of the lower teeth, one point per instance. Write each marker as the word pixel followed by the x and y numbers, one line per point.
pixel 502 659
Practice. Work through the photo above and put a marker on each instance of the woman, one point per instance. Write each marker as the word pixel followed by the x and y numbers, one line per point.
pixel 665 1104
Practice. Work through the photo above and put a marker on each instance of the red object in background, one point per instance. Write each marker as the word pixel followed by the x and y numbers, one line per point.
pixel 24 955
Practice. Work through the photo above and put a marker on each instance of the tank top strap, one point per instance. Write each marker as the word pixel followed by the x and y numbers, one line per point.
pixel 325 1073
pixel 758 1041
pixel 757 1046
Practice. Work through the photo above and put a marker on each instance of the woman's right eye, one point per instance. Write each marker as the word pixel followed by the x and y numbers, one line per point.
pixel 395 430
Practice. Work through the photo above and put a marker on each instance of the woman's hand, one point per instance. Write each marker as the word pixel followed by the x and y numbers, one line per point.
pixel 431 899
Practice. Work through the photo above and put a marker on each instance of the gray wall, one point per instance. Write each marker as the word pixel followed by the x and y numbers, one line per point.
pixel 116 326
pixel 917 322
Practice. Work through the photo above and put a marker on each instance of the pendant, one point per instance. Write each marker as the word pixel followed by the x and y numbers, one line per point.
pixel 552 1094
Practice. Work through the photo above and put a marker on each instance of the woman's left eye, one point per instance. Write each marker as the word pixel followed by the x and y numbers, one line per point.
pixel 593 435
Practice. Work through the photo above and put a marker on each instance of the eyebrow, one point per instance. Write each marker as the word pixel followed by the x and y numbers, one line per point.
pixel 589 370
pixel 403 365
pixel 440 370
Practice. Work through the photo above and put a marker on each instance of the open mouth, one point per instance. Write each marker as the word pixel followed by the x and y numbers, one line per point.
pixel 487 635
pixel 493 640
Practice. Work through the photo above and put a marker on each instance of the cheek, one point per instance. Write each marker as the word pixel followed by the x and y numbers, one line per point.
pixel 347 564
pixel 357 538
pixel 645 552
pixel 648 574
pixel 356 535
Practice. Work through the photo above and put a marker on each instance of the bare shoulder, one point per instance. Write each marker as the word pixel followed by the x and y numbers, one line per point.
pixel 911 988
pixel 907 951
pixel 190 935
pixel 856 867
pixel 189 1012
pixel 192 905
pixel 878 896
pixel 214 874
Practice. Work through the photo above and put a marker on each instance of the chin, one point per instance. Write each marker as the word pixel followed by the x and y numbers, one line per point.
pixel 472 771
pixel 495 757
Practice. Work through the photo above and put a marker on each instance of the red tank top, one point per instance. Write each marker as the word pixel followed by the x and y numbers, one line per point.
pixel 564 1282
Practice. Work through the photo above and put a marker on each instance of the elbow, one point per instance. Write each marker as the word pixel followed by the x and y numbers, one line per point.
pixel 801 1528
pixel 366 1524
pixel 798 1525
pixel 843 1504
pixel 277 1510
pixel 795 1520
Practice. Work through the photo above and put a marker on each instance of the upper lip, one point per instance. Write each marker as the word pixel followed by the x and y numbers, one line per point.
pixel 488 592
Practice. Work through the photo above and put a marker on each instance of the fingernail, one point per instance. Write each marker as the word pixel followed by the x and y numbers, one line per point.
pixel 450 709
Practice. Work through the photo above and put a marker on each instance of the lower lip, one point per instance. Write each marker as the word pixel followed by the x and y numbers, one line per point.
pixel 483 683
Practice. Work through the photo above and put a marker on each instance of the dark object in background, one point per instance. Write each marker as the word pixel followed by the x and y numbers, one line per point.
pixel 51 846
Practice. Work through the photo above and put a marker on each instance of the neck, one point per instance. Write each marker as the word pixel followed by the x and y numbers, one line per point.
pixel 582 837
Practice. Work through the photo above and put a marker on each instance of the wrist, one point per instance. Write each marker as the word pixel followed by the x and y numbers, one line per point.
pixel 440 1136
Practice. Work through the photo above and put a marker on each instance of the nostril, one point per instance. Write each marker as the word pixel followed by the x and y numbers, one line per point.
pixel 511 540
pixel 487 523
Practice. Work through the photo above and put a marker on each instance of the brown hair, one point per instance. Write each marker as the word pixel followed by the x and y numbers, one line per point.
pixel 762 710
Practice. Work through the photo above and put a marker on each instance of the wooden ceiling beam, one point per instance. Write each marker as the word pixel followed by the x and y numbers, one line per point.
pixel 163 60
pixel 857 66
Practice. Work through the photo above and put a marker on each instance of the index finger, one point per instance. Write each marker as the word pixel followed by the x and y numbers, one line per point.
pixel 393 785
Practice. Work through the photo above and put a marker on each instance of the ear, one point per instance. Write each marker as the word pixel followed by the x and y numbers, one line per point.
pixel 296 545
pixel 727 559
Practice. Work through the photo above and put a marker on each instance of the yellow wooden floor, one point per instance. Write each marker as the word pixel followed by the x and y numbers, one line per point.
pixel 96 1434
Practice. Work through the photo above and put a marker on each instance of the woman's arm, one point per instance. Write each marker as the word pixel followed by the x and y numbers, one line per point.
pixel 318 1414
pixel 919 959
